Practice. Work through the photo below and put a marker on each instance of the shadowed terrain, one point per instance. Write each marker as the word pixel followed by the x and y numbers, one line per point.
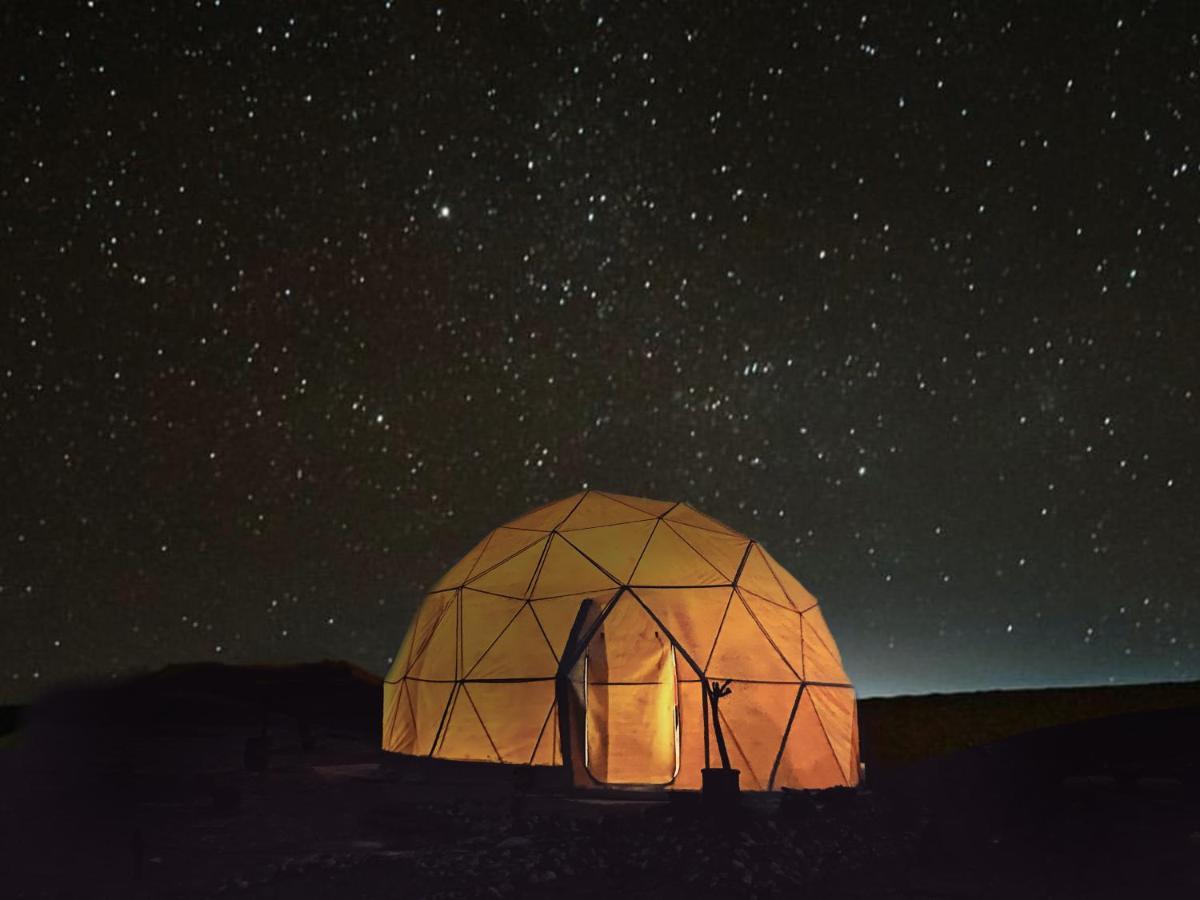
pixel 267 782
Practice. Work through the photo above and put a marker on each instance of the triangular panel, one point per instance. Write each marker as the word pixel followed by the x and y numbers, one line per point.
pixel 822 662
pixel 808 760
pixel 520 652
pixel 782 625
pixel 428 614
pixel 743 651
pixel 427 700
pixel 437 660
pixel 723 552
pixel 691 616
pixel 836 709
pixel 565 571
pixel 505 543
pixel 545 518
pixel 464 736
pixel 650 507
pixel 689 516
pixel 398 730
pixel 484 617
pixel 596 509
pixel 797 593
pixel 511 577
pixel 669 561
pixel 460 570
pixel 557 616
pixel 513 715
pixel 758 578
pixel 616 548
pixel 547 752
pixel 754 718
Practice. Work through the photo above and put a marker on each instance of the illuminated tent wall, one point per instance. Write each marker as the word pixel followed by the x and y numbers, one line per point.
pixel 580 635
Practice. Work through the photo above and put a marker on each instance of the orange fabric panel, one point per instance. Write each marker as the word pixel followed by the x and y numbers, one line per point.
pixel 398 730
pixel 692 616
pixel 463 736
pixel 544 518
pixel 513 715
pixel 797 593
pixel 629 646
pixel 757 578
pixel 782 624
pixel 521 651
pixel 822 662
pixel 428 700
pixel 723 552
pixel 691 732
pixel 754 717
pixel 460 570
pixel 415 639
pixel 557 616
pixel 513 576
pixel 650 507
pixel 548 751
pixel 837 708
pixel 597 509
pixel 503 544
pixel 565 571
pixel 688 514
pixel 669 561
pixel 616 548
pixel 438 659
pixel 808 759
pixel 484 617
pixel 743 651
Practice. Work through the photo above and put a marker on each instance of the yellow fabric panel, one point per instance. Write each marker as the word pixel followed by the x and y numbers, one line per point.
pixel 544 518
pixel 511 577
pixel 521 651
pixel 723 552
pixel 758 578
pixel 836 708
pixel 417 636
pixel 513 715
pixel 754 717
pixel 463 736
pixel 557 615
pixel 428 700
pixel 808 759
pixel 691 731
pixel 484 617
pixel 596 509
pixel 689 516
pixel 822 662
pixel 783 625
pixel 439 658
pixel 629 646
pixel 616 548
pixel 631 728
pixel 669 561
pixel 566 572
pixel 796 592
pixel 398 731
pixel 460 570
pixel 692 616
pixel 548 751
pixel 504 544
pixel 743 651
pixel 650 507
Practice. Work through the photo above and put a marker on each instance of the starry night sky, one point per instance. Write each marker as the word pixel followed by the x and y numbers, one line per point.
pixel 299 304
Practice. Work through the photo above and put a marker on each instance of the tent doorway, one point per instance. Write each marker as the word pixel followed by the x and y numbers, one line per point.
pixel 631 700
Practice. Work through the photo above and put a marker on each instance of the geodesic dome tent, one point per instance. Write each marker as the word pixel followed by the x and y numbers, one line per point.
pixel 582 633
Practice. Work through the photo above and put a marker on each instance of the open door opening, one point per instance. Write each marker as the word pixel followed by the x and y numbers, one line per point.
pixel 627 678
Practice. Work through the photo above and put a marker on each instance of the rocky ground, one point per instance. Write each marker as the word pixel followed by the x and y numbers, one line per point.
pixel 99 804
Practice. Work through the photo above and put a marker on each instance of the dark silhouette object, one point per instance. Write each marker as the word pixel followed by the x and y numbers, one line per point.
pixel 721 787
pixel 258 753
